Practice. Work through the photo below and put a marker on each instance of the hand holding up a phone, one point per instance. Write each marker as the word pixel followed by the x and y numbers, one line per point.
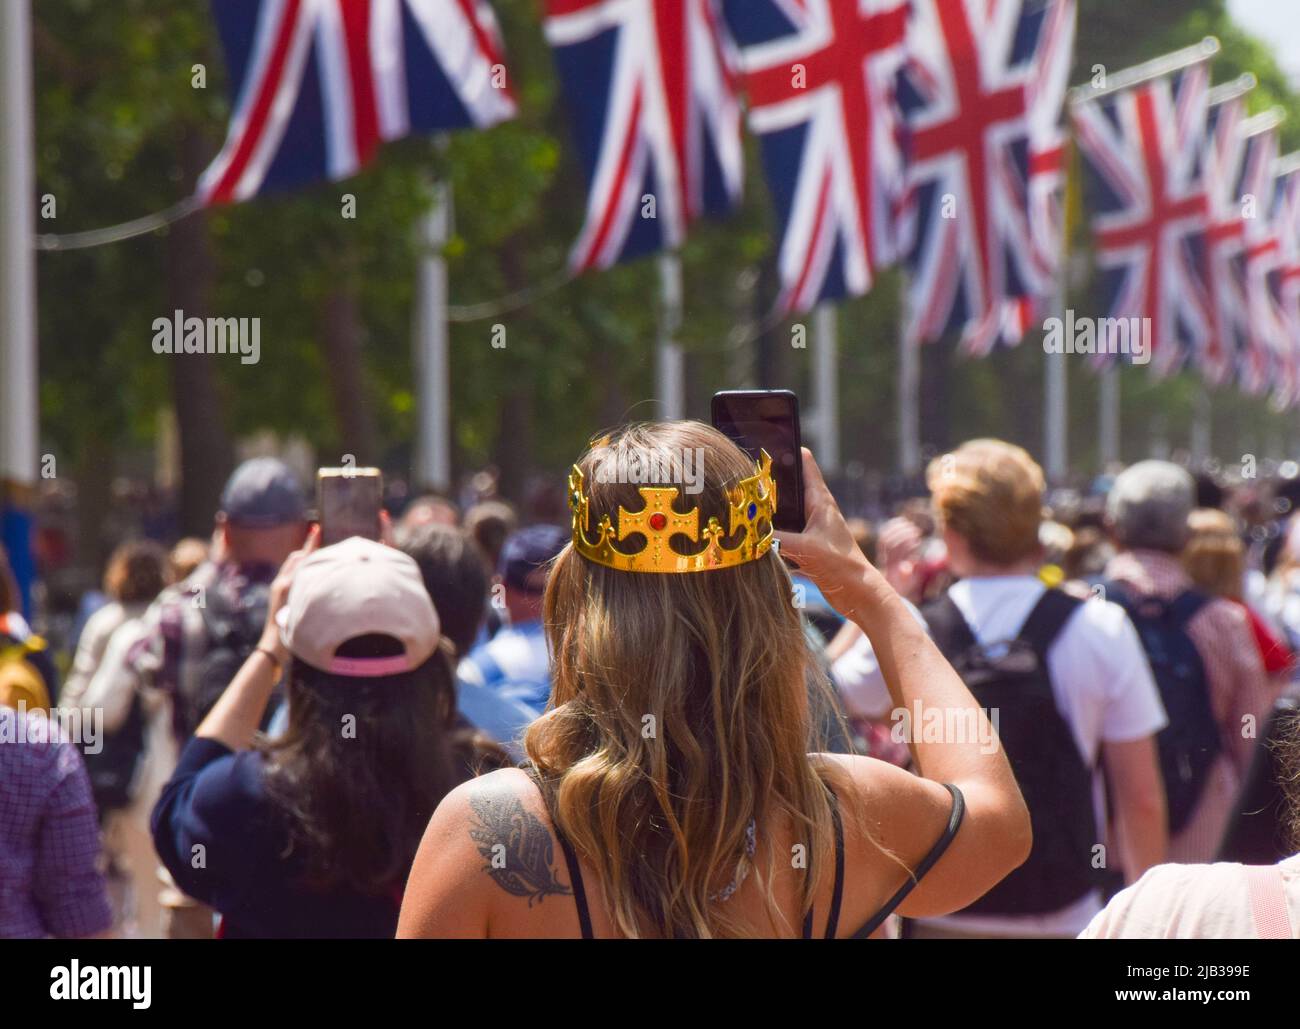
pixel 826 551
pixel 279 594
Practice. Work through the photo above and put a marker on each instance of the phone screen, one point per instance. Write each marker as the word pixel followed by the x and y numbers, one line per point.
pixel 348 502
pixel 768 420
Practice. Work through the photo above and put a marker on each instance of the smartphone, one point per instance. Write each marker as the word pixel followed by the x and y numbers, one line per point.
pixel 768 419
pixel 348 501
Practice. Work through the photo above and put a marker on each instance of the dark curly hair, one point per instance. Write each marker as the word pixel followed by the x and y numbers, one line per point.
pixel 363 764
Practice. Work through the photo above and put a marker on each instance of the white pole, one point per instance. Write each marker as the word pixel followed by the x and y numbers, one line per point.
pixel 19 431
pixel 1055 412
pixel 740 357
pixel 1108 415
pixel 669 360
pixel 1201 426
pixel 1165 64
pixel 1158 439
pixel 1056 445
pixel 909 410
pixel 1056 391
pixel 826 399
pixel 432 465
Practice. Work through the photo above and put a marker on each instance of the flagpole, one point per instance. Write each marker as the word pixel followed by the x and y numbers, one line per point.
pixel 909 388
pixel 1226 91
pixel 432 459
pixel 1055 411
pixel 1153 69
pixel 1263 122
pixel 19 418
pixel 1108 415
pixel 1201 426
pixel 669 359
pixel 1056 392
pixel 826 401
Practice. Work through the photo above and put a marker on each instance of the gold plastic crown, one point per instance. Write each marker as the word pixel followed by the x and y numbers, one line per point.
pixel 752 502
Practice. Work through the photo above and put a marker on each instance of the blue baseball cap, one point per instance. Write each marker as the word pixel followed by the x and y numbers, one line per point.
pixel 526 551
pixel 263 493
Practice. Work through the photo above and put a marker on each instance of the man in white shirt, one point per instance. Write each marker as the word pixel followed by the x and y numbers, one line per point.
pixel 989 497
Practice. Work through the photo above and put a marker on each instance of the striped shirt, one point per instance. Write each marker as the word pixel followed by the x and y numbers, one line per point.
pixel 50 884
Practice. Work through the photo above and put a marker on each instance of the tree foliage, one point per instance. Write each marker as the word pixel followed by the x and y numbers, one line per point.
pixel 115 95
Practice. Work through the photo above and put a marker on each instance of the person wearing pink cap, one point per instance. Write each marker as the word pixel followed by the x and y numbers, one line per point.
pixel 312 833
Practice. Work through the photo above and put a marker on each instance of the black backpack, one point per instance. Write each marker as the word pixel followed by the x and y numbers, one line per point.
pixel 1191 742
pixel 233 620
pixel 1011 678
pixel 112 771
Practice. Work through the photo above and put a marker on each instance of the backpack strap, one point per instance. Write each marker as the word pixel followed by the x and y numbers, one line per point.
pixel 953 636
pixel 1116 592
pixel 1047 619
pixel 948 627
pixel 1184 607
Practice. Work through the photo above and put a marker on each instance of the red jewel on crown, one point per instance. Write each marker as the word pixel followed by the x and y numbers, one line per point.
pixel 658 520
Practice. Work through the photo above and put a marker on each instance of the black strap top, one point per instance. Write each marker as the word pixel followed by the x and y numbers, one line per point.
pixel 837 896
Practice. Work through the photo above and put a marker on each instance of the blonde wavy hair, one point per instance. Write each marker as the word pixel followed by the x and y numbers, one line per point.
pixel 991 494
pixel 680 710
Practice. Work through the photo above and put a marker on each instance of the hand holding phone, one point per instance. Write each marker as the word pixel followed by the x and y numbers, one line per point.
pixel 825 550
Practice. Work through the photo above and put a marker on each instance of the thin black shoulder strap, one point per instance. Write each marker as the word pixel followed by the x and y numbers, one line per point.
pixel 928 862
pixel 570 859
pixel 837 897
pixel 575 879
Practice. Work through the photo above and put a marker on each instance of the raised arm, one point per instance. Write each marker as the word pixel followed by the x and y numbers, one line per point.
pixel 995 837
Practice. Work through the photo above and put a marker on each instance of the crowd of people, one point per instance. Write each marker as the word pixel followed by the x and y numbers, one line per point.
pixel 999 712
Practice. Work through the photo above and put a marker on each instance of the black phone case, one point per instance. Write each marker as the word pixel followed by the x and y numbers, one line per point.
pixel 756 394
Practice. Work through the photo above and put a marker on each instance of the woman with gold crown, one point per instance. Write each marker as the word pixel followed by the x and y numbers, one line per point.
pixel 673 787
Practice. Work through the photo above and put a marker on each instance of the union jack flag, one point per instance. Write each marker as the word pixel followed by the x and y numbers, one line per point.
pixel 1048 138
pixel 820 77
pixel 651 85
pixel 1142 160
pixel 1265 361
pixel 319 84
pixel 978 95
pixel 1225 248
pixel 1286 216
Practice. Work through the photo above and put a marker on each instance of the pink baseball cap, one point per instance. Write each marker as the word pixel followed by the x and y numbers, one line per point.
pixel 356 588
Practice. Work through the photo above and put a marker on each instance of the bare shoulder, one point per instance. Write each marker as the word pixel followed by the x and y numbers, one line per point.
pixel 876 780
pixel 488 844
pixel 503 787
pixel 494 816
pixel 886 806
pixel 511 830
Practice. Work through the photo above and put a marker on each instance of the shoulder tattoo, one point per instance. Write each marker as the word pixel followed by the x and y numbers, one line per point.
pixel 517 847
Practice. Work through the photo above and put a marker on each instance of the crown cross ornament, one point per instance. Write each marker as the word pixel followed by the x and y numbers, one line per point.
pixel 751 505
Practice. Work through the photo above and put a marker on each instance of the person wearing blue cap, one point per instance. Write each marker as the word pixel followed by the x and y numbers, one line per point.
pixel 515 662
pixel 196 634
pixel 193 638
